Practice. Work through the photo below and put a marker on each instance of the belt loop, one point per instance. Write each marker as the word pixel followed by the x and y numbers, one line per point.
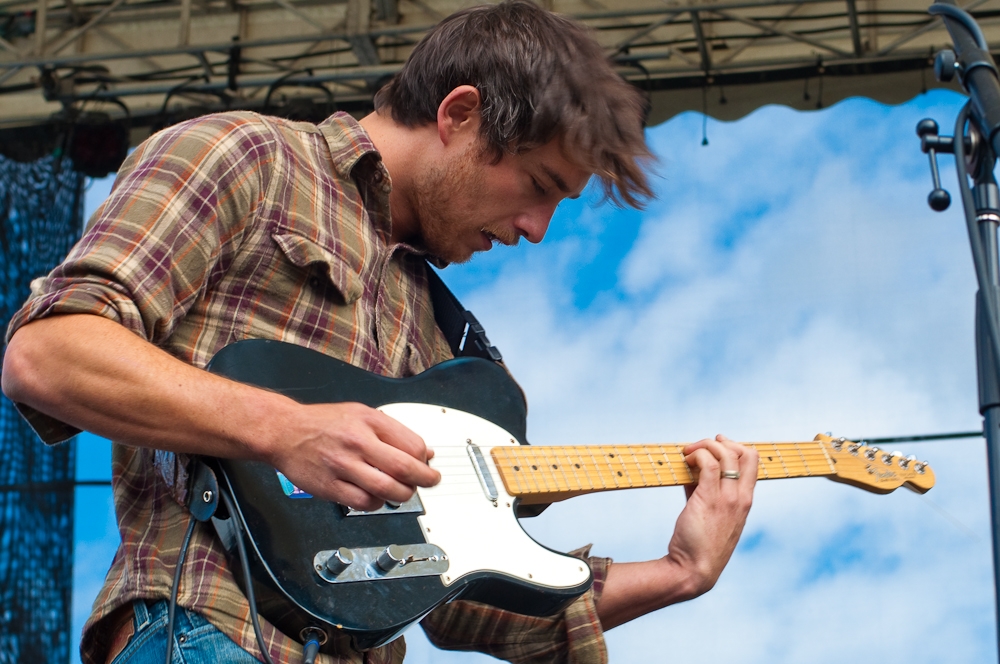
pixel 141 614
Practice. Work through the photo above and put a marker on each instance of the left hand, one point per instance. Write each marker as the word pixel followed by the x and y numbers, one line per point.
pixel 710 525
pixel 704 538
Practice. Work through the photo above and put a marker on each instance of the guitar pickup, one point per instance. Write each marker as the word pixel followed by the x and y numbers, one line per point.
pixel 411 506
pixel 483 471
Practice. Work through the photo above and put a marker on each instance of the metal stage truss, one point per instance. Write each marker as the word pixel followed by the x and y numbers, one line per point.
pixel 157 61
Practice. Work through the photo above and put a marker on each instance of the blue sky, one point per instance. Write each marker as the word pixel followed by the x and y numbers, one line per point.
pixel 790 279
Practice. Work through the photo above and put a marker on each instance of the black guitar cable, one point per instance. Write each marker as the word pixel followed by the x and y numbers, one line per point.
pixel 173 591
pixel 248 581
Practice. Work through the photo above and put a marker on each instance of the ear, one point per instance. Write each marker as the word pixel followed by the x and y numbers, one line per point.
pixel 458 114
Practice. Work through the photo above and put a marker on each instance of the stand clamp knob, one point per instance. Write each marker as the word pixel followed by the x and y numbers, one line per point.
pixel 927 130
pixel 945 66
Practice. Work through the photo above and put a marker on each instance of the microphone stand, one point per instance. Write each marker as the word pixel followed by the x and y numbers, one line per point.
pixel 975 144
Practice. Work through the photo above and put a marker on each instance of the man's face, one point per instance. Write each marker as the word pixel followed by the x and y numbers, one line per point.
pixel 468 203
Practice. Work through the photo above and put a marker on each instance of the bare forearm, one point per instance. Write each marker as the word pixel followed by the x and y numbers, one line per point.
pixel 96 375
pixel 632 590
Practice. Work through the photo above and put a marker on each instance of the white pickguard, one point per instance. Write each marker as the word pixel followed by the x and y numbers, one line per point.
pixel 459 517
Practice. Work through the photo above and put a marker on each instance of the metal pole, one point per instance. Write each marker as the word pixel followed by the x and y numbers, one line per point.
pixel 987 200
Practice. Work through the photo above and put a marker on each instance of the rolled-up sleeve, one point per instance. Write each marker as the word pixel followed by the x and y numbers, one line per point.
pixel 573 636
pixel 177 208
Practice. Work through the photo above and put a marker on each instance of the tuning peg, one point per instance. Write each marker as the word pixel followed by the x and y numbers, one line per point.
pixel 904 463
pixel 871 452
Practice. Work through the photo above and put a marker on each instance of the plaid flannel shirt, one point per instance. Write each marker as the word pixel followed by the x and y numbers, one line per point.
pixel 240 226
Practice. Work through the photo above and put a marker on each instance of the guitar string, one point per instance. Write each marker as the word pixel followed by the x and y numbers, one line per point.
pixel 592 473
pixel 468 484
pixel 577 464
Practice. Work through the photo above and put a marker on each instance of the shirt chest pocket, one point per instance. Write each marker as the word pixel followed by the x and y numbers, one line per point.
pixel 308 296
pixel 319 267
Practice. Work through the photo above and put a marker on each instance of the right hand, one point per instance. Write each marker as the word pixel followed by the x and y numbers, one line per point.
pixel 353 455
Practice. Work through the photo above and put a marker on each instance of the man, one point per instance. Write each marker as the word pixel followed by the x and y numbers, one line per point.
pixel 238 226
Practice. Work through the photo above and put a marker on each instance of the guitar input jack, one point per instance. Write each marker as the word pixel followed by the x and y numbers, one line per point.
pixel 312 639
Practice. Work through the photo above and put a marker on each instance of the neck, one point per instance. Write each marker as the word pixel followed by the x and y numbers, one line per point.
pixel 546 474
pixel 403 149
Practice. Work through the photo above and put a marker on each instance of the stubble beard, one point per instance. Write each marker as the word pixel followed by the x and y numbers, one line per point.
pixel 442 221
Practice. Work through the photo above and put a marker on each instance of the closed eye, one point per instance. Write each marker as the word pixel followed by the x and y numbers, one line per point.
pixel 539 189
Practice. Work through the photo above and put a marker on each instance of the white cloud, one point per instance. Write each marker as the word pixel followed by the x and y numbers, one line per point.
pixel 791 280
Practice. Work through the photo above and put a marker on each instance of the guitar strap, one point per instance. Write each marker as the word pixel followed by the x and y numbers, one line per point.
pixel 463 331
pixel 466 337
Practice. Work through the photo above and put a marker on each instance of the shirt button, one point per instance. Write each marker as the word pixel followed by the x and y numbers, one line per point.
pixel 377 177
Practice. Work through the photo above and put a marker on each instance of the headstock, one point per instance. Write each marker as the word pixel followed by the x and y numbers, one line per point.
pixel 876 470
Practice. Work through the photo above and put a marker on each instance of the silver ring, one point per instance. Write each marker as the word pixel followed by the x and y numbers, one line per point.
pixel 731 474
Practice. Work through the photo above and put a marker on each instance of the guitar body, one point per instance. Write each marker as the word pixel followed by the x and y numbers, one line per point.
pixel 460 538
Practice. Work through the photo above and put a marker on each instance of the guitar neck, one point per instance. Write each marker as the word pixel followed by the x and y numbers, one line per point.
pixel 543 474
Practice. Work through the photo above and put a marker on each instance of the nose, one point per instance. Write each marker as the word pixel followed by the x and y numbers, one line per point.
pixel 532 224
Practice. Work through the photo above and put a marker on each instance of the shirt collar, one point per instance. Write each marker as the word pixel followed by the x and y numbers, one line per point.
pixel 351 147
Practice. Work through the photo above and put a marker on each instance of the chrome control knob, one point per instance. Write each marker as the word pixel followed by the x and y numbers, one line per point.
pixel 341 559
pixel 391 558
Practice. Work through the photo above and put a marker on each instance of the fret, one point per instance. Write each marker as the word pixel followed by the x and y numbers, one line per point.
pixel 652 464
pixel 559 466
pixel 575 465
pixel 526 471
pixel 642 478
pixel 687 475
pixel 604 485
pixel 551 467
pixel 826 457
pixel 516 477
pixel 670 466
pixel 762 467
pixel 609 459
pixel 781 459
pixel 801 456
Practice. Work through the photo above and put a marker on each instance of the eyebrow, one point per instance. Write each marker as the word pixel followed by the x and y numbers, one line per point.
pixel 555 177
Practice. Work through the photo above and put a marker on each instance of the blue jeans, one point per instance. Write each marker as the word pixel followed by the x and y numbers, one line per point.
pixel 196 641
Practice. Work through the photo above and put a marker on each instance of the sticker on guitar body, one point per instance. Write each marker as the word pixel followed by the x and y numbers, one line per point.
pixel 290 489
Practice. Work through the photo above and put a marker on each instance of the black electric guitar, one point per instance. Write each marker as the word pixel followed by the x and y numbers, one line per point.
pixel 373 574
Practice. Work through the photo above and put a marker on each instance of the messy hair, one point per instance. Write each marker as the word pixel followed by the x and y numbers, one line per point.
pixel 540 77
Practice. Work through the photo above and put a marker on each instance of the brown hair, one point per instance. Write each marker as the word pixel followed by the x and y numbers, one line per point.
pixel 540 77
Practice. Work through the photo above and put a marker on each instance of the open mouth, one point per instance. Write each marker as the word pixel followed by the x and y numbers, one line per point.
pixel 496 239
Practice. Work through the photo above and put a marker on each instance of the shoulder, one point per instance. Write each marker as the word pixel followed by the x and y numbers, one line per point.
pixel 234 133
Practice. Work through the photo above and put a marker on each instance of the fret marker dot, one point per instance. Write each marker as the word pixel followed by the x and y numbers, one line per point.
pixel 577 465
pixel 619 473
pixel 659 463
pixel 612 456
pixel 555 467
pixel 534 467
pixel 517 468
